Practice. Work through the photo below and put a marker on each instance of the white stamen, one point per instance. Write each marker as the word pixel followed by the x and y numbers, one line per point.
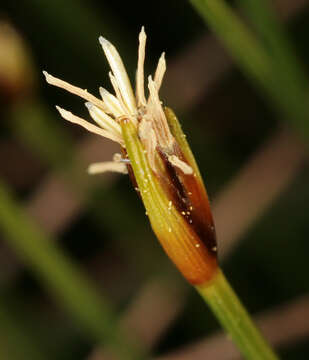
pixel 184 167
pixel 163 133
pixel 118 94
pixel 103 120
pixel 160 71
pixel 140 91
pixel 147 116
pixel 149 140
pixel 102 167
pixel 111 103
pixel 74 90
pixel 120 73
pixel 67 115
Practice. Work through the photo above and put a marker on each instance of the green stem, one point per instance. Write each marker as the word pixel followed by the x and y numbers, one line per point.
pixel 258 64
pixel 69 286
pixel 277 43
pixel 235 319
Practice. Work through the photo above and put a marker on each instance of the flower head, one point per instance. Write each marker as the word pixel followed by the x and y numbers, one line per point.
pixel 156 155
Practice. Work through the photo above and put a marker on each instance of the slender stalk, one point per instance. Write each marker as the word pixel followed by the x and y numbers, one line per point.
pixel 272 33
pixel 258 64
pixel 232 315
pixel 276 41
pixel 69 286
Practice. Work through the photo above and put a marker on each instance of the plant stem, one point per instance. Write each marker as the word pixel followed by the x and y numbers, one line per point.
pixel 276 42
pixel 69 286
pixel 257 63
pixel 232 315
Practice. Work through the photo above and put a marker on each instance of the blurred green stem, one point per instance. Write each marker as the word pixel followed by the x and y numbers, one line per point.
pixel 60 276
pixel 267 26
pixel 15 342
pixel 289 93
pixel 276 42
pixel 234 318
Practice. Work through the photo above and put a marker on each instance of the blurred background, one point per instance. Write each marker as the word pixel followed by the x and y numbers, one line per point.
pixel 81 274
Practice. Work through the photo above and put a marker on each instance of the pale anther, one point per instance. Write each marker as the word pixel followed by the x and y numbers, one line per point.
pixel 184 167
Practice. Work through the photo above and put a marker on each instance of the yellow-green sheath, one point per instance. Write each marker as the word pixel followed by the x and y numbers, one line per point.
pixel 181 243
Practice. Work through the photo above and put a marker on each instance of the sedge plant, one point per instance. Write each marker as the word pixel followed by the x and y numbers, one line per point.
pixel 155 154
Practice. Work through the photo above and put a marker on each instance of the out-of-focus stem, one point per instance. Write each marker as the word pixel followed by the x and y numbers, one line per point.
pixel 248 51
pixel 276 42
pixel 63 279
pixel 232 315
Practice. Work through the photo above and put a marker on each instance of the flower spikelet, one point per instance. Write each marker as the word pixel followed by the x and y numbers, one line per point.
pixel 155 153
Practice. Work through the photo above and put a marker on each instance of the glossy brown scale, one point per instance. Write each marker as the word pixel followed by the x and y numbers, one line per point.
pixel 190 199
